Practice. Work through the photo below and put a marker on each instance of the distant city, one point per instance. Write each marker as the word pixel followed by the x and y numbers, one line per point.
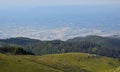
pixel 60 22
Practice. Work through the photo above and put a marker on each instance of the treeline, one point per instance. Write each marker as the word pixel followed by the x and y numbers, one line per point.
pixel 94 44
pixel 14 50
pixel 52 47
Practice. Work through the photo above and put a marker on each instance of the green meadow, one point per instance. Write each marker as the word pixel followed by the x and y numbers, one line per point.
pixel 66 62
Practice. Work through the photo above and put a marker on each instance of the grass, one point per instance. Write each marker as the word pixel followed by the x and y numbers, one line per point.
pixel 10 63
pixel 67 62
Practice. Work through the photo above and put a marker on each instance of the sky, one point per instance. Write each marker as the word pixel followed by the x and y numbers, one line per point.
pixel 59 19
pixel 27 3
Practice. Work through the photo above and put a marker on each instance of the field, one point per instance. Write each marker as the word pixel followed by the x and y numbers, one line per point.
pixel 67 62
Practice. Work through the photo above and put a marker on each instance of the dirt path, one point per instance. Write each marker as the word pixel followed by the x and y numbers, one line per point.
pixel 117 70
pixel 34 61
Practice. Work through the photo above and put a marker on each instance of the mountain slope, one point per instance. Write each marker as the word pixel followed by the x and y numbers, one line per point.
pixel 104 46
pixel 110 42
pixel 19 41
pixel 12 63
pixel 68 62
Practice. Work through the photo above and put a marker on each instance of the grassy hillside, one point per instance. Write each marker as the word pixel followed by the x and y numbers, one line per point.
pixel 69 62
pixel 10 63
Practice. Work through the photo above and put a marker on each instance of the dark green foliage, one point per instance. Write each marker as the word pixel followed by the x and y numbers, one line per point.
pixel 104 46
pixel 19 41
pixel 14 50
pixel 103 41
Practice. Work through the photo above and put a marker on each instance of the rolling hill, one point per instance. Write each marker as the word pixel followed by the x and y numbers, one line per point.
pixel 104 46
pixel 111 42
pixel 66 62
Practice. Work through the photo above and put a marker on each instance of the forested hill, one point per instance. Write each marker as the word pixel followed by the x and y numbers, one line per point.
pixel 19 40
pixel 105 46
pixel 111 42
